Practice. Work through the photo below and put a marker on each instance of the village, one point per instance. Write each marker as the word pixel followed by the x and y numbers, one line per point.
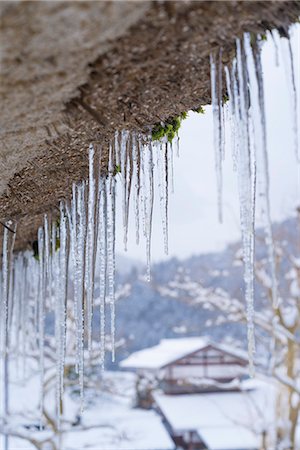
pixel 182 394
pixel 203 394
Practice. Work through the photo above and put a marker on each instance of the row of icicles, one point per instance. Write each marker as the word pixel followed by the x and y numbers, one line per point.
pixel 75 257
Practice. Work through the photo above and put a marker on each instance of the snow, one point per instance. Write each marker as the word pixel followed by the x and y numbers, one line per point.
pixel 108 423
pixel 250 409
pixel 126 430
pixel 167 351
pixel 234 437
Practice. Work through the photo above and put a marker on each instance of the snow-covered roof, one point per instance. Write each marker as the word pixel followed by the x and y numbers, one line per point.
pixel 170 350
pixel 167 351
pixel 250 410
pixel 229 438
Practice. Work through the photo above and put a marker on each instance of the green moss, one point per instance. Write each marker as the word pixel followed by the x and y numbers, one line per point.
pixel 169 129
pixel 184 115
pixel 199 110
pixel 263 37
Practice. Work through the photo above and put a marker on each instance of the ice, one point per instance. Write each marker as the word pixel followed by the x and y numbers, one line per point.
pixel 137 184
pixel 102 246
pixel 163 187
pixel 63 271
pixel 257 110
pixel 111 226
pixel 276 49
pixel 80 263
pixel 41 313
pixel 288 58
pixel 148 196
pixel 4 296
pixel 126 172
pixel 90 250
pixel 218 118
pixel 244 154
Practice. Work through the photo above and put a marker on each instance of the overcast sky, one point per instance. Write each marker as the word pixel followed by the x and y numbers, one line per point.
pixel 193 224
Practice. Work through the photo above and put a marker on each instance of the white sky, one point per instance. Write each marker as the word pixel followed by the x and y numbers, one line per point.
pixel 193 222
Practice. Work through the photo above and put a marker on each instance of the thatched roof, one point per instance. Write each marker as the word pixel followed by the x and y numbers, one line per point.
pixel 74 72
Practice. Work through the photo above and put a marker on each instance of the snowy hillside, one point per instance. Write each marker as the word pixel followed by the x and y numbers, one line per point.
pixel 145 315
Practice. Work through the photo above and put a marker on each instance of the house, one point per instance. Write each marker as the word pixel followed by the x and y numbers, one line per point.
pixel 190 365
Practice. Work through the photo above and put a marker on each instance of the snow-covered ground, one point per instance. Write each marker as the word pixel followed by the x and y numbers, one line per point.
pixel 109 421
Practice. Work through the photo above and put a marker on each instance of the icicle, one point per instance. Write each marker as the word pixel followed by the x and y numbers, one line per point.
pixel 254 69
pixel 72 220
pixel 4 299
pixel 166 200
pixel 137 166
pixel 176 142
pixel 231 106
pixel 246 184
pixel 47 248
pixel 126 162
pixel 287 54
pixel 276 49
pixel 80 263
pixel 171 165
pixel 147 193
pixel 111 247
pixel 218 118
pixel 41 314
pixel 102 237
pixel 17 302
pixel 63 271
pixel 163 188
pixel 25 306
pixel 148 168
pixel 90 269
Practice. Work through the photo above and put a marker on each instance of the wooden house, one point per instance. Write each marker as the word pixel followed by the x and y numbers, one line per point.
pixel 189 365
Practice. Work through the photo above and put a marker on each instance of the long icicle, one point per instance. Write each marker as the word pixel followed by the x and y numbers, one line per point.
pixel 90 269
pixel 63 270
pixel 102 237
pixel 246 177
pixel 81 235
pixel 111 192
pixel 256 89
pixel 41 314
pixel 216 97
pixel 287 54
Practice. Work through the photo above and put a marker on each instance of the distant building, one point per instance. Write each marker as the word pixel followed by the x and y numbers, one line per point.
pixel 190 365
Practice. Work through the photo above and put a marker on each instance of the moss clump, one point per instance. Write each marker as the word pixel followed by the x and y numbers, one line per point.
pixel 169 129
pixel 199 110
pixel 225 98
